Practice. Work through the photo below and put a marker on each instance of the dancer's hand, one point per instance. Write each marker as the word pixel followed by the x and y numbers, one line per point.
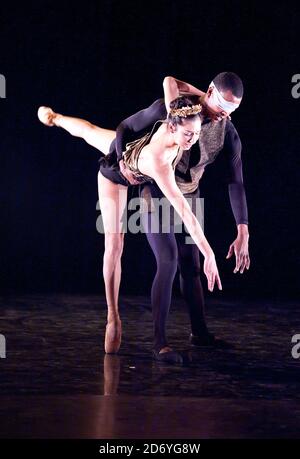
pixel 46 116
pixel 211 272
pixel 216 117
pixel 128 174
pixel 240 249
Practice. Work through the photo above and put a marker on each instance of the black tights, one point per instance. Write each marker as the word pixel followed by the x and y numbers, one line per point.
pixel 171 250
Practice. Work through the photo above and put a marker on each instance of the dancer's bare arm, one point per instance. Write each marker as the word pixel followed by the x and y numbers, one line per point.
pixel 171 91
pixel 238 200
pixel 175 88
pixel 164 177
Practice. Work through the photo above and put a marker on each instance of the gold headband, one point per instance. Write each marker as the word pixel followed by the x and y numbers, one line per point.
pixel 186 111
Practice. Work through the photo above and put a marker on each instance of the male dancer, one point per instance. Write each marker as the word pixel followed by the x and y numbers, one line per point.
pixel 218 134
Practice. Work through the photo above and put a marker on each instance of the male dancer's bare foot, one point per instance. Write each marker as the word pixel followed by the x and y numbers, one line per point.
pixel 46 116
pixel 113 335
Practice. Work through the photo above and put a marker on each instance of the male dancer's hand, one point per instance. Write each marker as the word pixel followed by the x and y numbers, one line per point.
pixel 240 248
pixel 128 174
pixel 211 271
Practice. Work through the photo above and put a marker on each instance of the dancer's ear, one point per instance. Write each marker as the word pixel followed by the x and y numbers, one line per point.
pixel 172 127
pixel 209 92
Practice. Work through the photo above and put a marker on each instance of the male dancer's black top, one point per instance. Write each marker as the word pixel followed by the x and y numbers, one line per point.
pixel 138 124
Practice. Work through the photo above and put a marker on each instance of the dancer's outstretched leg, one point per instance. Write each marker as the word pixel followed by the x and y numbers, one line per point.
pixel 113 200
pixel 94 135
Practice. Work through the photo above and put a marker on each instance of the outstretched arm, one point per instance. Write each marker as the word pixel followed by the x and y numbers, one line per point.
pixel 238 201
pixel 164 177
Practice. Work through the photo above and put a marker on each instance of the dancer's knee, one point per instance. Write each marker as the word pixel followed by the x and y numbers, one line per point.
pixel 114 244
pixel 167 258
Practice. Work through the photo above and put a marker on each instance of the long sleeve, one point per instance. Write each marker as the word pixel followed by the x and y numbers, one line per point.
pixel 138 123
pixel 236 189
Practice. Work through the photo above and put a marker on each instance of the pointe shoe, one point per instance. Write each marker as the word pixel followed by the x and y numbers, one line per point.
pixel 113 334
pixel 46 115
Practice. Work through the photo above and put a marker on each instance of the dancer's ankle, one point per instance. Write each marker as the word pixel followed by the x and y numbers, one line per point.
pixel 113 317
pixel 56 119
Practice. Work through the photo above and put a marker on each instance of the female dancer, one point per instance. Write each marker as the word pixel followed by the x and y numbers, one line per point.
pixel 153 156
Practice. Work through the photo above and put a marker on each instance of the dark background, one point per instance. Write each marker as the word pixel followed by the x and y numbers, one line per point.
pixel 103 60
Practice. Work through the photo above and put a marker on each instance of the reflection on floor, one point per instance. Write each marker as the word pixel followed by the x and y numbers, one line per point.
pixel 56 381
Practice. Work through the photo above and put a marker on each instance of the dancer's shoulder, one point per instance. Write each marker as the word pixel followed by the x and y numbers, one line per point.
pixel 159 104
pixel 230 129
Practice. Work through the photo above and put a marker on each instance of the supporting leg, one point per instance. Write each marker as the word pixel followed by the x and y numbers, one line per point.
pixel 164 248
pixel 112 199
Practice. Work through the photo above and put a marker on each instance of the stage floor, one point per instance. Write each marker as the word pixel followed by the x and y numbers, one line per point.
pixel 56 381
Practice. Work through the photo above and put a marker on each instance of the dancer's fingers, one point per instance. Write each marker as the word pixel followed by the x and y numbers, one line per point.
pixel 248 262
pixel 127 173
pixel 238 262
pixel 219 284
pixel 243 264
pixel 230 252
pixel 214 279
pixel 210 283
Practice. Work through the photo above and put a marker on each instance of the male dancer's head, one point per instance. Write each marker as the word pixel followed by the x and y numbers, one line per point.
pixel 223 96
